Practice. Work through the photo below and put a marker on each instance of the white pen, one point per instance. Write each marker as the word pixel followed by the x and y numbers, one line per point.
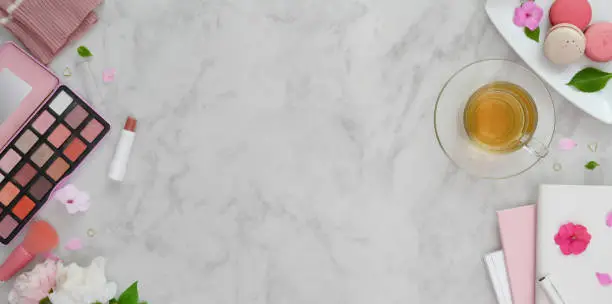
pixel 550 290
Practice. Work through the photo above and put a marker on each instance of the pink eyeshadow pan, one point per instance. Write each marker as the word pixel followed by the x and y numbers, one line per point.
pixel 25 174
pixel 43 122
pixel 92 130
pixel 76 117
pixel 7 225
pixel 9 160
pixel 59 135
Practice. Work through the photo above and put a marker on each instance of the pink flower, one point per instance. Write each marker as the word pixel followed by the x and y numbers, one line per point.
pixel 604 278
pixel 567 144
pixel 33 286
pixel 74 244
pixel 528 14
pixel 109 75
pixel 74 199
pixel 572 239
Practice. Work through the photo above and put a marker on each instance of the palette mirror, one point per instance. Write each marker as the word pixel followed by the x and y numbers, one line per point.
pixel 12 91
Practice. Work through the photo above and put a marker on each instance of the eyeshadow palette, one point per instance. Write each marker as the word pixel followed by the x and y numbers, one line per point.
pixel 46 150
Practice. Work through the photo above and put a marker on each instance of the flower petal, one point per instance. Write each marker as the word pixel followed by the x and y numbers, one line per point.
pixel 567 144
pixel 581 233
pixel 528 6
pixel 565 249
pixel 603 278
pixel 578 246
pixel 537 13
pixel 74 244
pixel 520 16
pixel 72 208
pixel 109 75
pixel 84 206
pixel 66 193
pixel 566 230
pixel 81 198
pixel 609 219
pixel 532 23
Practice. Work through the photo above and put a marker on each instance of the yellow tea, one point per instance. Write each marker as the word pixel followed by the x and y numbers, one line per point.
pixel 500 117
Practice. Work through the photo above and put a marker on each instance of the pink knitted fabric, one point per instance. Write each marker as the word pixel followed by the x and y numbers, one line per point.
pixel 45 27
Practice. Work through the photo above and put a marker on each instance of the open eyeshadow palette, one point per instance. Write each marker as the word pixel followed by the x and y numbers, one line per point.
pixel 37 155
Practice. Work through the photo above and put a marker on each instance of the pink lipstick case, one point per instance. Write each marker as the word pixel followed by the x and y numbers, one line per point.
pixel 46 131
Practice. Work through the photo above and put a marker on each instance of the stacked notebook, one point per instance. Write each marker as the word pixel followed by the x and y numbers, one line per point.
pixel 530 252
pixel 496 265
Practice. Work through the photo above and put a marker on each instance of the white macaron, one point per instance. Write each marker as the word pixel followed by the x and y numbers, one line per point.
pixel 565 43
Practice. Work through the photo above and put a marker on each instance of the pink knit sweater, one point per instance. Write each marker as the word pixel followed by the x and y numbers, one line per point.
pixel 45 27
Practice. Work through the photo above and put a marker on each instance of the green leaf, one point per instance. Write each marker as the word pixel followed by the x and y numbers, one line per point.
pixel 84 52
pixel 590 80
pixel 113 301
pixel 130 295
pixel 533 35
pixel 591 165
pixel 45 301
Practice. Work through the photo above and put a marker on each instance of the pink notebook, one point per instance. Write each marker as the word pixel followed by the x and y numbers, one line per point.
pixel 517 229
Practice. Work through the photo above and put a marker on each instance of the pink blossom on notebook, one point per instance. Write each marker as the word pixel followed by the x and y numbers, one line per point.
pixel 604 278
pixel 572 239
pixel 609 219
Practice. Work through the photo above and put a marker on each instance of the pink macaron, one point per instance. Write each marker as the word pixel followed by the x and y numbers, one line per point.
pixel 576 12
pixel 599 42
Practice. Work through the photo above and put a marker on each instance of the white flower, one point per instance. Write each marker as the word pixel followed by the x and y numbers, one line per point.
pixel 33 286
pixel 76 285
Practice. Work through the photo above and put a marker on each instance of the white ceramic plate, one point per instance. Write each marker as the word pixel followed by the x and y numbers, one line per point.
pixel 599 104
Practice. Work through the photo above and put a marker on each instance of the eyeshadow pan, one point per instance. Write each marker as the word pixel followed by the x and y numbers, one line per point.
pixel 43 122
pixel 7 225
pixel 76 117
pixel 23 207
pixel 60 103
pixel 74 149
pixel 25 174
pixel 92 130
pixel 57 169
pixel 59 135
pixel 42 155
pixel 26 141
pixel 8 193
pixel 9 160
pixel 40 188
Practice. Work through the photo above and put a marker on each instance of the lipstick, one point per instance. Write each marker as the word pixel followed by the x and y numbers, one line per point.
pixel 119 163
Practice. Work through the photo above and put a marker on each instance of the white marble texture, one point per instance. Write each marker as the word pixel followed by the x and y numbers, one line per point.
pixel 286 154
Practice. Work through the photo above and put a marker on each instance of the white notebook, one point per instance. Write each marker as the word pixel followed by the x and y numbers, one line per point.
pixel 575 275
pixel 496 266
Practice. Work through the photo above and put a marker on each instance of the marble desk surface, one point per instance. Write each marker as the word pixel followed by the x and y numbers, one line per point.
pixel 286 154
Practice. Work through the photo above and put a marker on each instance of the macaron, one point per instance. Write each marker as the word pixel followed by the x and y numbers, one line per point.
pixel 599 42
pixel 564 43
pixel 576 12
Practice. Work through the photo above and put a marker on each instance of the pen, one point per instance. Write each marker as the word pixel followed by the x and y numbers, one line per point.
pixel 550 290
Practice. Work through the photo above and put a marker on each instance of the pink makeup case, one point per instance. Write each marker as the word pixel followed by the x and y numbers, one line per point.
pixel 46 131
